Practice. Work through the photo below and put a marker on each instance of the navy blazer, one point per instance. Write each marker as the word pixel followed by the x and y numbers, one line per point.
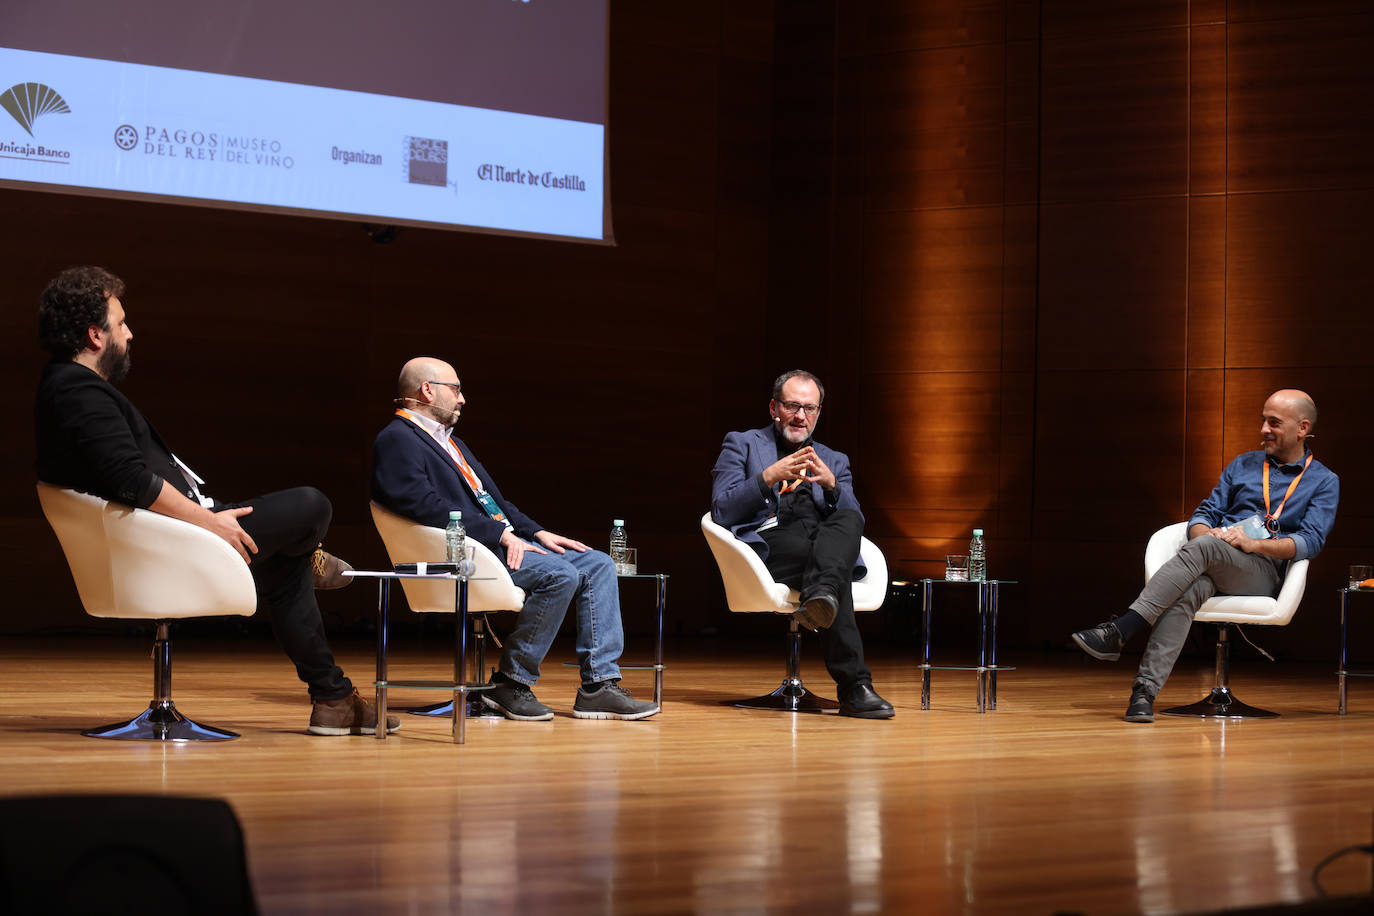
pixel 413 476
pixel 741 501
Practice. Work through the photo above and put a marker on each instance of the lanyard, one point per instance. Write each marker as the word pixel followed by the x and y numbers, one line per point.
pixel 453 452
pixel 1271 519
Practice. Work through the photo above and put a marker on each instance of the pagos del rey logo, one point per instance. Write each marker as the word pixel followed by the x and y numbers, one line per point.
pixel 27 102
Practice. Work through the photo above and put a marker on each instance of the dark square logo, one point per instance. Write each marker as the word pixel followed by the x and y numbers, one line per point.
pixel 427 161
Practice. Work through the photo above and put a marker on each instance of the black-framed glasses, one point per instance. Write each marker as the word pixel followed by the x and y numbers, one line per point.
pixel 794 407
pixel 456 386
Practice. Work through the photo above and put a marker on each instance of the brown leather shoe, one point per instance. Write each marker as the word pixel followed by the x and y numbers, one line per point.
pixel 350 715
pixel 329 570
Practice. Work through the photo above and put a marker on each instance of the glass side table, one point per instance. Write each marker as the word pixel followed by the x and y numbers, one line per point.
pixel 459 685
pixel 987 667
pixel 657 667
pixel 661 593
pixel 1343 672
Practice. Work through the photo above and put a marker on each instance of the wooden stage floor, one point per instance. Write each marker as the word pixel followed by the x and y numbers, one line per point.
pixel 1049 804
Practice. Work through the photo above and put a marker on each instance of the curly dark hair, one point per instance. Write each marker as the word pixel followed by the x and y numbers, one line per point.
pixel 75 299
pixel 796 373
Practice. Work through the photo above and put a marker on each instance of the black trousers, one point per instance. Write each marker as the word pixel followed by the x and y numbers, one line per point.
pixel 286 526
pixel 807 552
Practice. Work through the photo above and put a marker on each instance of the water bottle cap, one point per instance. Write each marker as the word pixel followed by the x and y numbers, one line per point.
pixel 977 532
pixel 620 523
pixel 454 514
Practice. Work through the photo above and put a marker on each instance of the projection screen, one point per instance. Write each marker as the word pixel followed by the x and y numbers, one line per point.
pixel 486 115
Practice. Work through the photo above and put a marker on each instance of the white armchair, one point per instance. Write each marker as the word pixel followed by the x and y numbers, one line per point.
pixel 137 564
pixel 750 589
pixel 1225 610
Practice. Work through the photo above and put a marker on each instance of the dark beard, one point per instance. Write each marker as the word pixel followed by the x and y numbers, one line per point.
pixel 114 366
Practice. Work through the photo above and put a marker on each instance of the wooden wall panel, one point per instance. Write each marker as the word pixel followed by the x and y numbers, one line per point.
pixel 1112 281
pixel 1204 455
pixel 1087 17
pixel 1206 313
pixel 1298 278
pixel 1207 98
pixel 934 283
pixel 902 25
pixel 936 138
pixel 1298 110
pixel 1114 120
pixel 1108 454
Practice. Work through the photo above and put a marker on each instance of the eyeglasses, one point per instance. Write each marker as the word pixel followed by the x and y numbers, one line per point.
pixel 793 407
pixel 456 386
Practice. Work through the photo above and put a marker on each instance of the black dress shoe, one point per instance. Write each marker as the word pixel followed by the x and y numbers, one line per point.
pixel 862 702
pixel 818 610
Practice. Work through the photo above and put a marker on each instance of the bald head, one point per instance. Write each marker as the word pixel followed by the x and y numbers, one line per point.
pixel 1288 418
pixel 430 386
pixel 423 369
pixel 1300 401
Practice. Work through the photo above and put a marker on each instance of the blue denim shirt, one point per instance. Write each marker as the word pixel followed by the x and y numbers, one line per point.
pixel 1307 516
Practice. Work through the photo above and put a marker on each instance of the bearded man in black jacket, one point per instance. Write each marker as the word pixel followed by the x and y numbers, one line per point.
pixel 90 437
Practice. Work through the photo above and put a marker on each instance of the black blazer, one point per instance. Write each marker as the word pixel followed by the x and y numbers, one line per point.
pixel 414 477
pixel 91 438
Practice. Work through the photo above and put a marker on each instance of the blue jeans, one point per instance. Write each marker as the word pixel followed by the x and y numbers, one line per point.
pixel 551 582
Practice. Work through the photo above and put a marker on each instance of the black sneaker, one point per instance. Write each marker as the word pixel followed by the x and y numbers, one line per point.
pixel 1102 641
pixel 1141 708
pixel 516 701
pixel 818 611
pixel 611 701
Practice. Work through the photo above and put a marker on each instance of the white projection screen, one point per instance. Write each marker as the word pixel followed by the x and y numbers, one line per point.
pixel 483 115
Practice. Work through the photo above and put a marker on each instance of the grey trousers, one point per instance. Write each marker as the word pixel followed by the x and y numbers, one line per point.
pixel 1203 567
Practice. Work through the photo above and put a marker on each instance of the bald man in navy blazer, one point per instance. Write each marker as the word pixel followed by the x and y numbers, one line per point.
pixel 792 500
pixel 421 471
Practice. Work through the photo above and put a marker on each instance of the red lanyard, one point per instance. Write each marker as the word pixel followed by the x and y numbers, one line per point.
pixel 1271 519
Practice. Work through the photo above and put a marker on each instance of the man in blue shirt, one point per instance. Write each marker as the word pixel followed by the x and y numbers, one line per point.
pixel 1292 498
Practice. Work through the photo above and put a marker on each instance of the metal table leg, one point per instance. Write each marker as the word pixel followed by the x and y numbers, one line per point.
pixel 658 645
pixel 383 599
pixel 981 683
pixel 1340 675
pixel 460 660
pixel 992 645
pixel 926 587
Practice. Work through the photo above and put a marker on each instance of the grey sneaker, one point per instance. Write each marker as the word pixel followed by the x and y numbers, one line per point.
pixel 1141 708
pixel 611 701
pixel 1102 641
pixel 516 701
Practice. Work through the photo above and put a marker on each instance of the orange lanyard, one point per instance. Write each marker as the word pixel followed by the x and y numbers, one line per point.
pixel 791 485
pixel 1274 516
pixel 457 455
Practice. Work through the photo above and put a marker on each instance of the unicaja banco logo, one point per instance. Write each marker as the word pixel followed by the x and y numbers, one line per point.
pixel 27 102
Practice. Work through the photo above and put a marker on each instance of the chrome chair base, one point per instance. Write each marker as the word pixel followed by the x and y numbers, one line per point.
pixel 1221 704
pixel 160 722
pixel 791 696
pixel 476 709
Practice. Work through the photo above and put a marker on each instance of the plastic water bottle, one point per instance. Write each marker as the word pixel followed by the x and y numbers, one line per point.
pixel 619 541
pixel 977 557
pixel 456 540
